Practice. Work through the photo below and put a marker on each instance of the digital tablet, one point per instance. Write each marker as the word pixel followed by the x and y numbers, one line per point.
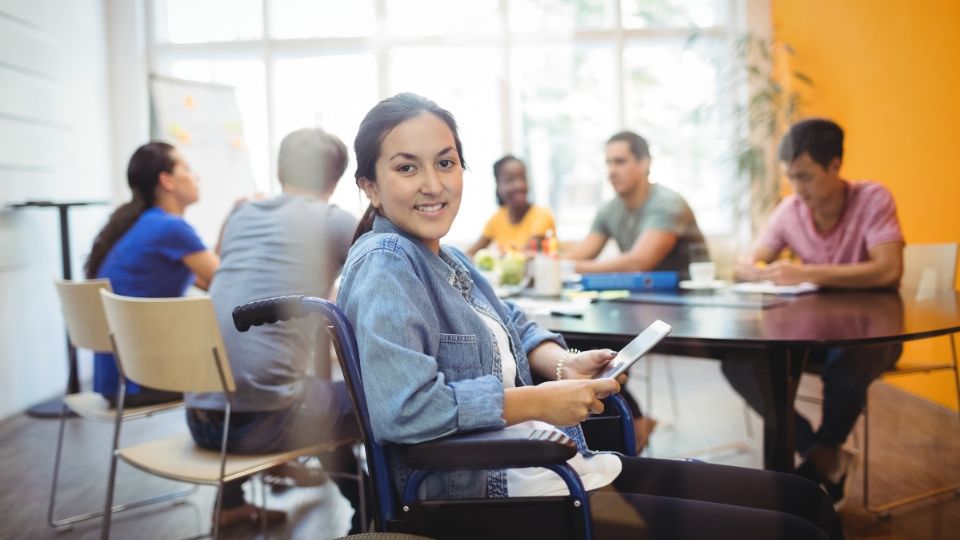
pixel 640 346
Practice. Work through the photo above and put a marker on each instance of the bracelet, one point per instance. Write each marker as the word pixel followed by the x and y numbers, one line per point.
pixel 564 356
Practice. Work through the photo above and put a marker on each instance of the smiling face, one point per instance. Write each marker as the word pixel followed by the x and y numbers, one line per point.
pixel 512 184
pixel 419 179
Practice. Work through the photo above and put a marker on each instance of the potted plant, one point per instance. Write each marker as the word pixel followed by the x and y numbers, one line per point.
pixel 774 101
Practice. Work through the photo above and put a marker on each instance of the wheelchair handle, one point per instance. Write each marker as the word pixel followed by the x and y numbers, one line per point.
pixel 268 311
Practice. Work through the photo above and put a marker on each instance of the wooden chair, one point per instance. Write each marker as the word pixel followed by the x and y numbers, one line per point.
pixel 174 344
pixel 87 328
pixel 928 268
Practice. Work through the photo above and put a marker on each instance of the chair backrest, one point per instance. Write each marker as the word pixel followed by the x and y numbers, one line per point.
pixel 348 355
pixel 929 267
pixel 171 344
pixel 83 313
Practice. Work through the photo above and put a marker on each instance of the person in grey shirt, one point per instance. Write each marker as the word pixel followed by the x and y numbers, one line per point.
pixel 294 243
pixel 653 226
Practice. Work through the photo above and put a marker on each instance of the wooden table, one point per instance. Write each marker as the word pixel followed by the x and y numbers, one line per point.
pixel 786 333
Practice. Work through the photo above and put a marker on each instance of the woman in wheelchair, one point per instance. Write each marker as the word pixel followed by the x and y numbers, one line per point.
pixel 441 354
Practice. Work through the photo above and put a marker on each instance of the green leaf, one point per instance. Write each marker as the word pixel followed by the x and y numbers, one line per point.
pixel 803 77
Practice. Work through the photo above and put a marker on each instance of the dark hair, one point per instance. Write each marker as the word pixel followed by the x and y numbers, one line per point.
pixel 497 167
pixel 381 119
pixel 143 175
pixel 311 159
pixel 819 137
pixel 638 145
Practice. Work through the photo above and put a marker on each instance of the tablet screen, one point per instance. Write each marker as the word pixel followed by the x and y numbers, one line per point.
pixel 635 349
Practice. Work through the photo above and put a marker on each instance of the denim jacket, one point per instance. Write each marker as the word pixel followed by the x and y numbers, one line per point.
pixel 430 365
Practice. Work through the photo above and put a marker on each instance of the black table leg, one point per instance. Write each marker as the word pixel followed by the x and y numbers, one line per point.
pixel 51 408
pixel 779 423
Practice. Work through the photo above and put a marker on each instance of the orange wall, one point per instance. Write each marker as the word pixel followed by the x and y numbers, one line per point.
pixel 888 71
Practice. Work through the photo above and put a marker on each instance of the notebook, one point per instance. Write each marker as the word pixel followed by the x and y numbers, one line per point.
pixel 768 287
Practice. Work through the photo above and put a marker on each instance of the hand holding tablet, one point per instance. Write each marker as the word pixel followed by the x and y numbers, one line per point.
pixel 640 346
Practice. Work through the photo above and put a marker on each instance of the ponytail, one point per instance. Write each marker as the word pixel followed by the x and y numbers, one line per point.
pixel 120 222
pixel 143 175
pixel 366 223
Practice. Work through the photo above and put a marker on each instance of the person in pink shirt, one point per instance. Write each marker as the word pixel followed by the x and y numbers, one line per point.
pixel 845 235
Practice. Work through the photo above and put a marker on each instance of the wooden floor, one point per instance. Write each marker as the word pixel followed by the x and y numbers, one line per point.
pixel 914 445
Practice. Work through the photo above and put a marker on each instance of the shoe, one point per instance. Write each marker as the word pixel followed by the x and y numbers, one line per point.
pixel 248 514
pixel 836 483
pixel 642 428
pixel 299 473
pixel 836 491
pixel 833 484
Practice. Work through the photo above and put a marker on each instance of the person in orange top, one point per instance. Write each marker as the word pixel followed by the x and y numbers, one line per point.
pixel 517 221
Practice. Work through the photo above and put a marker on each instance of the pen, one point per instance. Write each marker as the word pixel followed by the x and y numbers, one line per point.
pixel 566 314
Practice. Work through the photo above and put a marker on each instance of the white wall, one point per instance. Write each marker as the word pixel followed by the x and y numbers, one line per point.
pixel 55 144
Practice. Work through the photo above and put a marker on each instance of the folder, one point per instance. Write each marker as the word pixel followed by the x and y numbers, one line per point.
pixel 631 281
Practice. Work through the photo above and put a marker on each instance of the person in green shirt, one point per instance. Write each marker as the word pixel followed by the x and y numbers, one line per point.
pixel 653 226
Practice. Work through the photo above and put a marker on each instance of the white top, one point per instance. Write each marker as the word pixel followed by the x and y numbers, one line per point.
pixel 595 471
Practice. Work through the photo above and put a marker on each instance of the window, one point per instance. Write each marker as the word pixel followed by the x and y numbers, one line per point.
pixel 546 80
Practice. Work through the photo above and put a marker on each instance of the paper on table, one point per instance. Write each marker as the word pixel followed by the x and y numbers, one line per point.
pixel 535 306
pixel 769 287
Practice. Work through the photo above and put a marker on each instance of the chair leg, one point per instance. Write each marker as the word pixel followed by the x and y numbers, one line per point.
pixel 649 412
pixel 866 453
pixel 730 448
pixel 111 478
pixel 66 522
pixel 649 376
pixel 56 469
pixel 747 421
pixel 956 370
pixel 263 506
pixel 361 496
pixel 672 385
pixel 884 510
pixel 215 522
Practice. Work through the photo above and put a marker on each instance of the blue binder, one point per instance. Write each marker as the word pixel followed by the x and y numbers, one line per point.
pixel 631 281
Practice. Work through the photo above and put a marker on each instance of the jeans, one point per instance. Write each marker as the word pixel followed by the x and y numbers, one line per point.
pixel 146 396
pixel 846 375
pixel 323 413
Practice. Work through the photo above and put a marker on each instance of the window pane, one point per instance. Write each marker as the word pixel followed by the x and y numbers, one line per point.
pixel 564 102
pixel 673 13
pixel 673 98
pixel 411 18
pixel 561 15
pixel 321 18
pixel 247 77
pixel 305 97
pixel 200 21
pixel 465 81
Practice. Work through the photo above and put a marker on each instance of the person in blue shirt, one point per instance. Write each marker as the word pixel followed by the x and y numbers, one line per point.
pixel 441 354
pixel 147 250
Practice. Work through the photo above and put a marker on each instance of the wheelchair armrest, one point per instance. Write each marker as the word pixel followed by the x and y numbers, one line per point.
pixel 497 450
pixel 492 450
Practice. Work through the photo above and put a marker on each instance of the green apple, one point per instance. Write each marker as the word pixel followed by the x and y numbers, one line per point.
pixel 513 268
pixel 485 260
